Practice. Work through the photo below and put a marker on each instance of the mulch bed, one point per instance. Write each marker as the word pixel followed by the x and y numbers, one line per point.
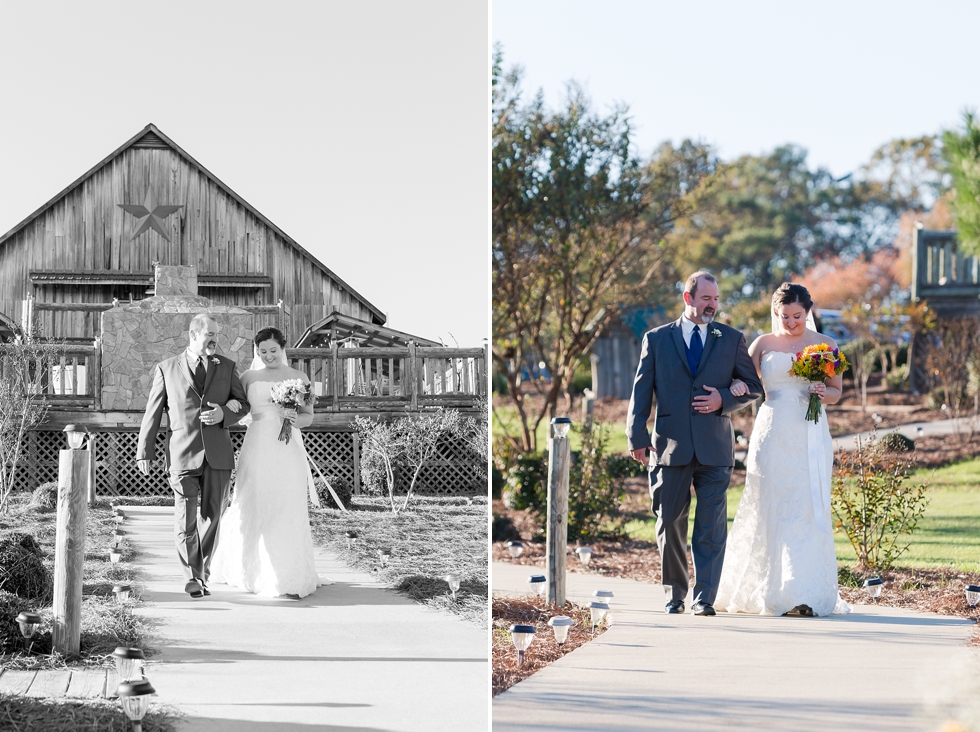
pixel 532 610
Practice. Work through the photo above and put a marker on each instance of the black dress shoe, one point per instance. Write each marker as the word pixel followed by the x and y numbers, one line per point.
pixel 674 607
pixel 702 608
pixel 205 590
pixel 194 588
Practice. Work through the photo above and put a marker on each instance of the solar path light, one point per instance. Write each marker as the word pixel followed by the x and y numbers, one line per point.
pixel 522 635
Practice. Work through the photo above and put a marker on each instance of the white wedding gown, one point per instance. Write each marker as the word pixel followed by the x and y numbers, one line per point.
pixel 780 553
pixel 265 545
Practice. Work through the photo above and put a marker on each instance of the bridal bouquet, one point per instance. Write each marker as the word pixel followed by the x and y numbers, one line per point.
pixel 290 394
pixel 816 363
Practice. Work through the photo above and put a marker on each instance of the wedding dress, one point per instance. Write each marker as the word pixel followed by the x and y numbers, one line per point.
pixel 265 545
pixel 780 552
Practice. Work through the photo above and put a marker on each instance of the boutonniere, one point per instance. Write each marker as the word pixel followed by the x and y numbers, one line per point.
pixel 716 333
pixel 217 361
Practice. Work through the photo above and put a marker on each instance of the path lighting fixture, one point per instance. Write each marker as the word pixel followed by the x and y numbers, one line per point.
pixel 351 538
pixel 115 556
pixel 122 592
pixel 973 595
pixel 384 555
pixel 135 699
pixel 597 611
pixel 918 432
pixel 874 586
pixel 560 624
pixel 28 623
pixel 522 635
pixel 603 595
pixel 515 548
pixel 119 517
pixel 538 584
pixel 453 581
pixel 129 663
pixel 584 555
pixel 561 425
pixel 76 435
pixel 117 537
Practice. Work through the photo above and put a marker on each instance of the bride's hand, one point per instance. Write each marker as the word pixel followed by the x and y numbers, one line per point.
pixel 289 415
pixel 738 388
pixel 234 405
pixel 820 389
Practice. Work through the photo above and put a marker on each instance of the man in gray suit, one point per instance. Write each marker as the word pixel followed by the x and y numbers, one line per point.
pixel 688 366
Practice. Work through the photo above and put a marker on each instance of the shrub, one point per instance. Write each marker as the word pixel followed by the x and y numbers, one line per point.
pixel 22 571
pixel 340 486
pixel 623 466
pixel 45 497
pixel 594 492
pixel 504 530
pixel 497 482
pixel 874 504
pixel 527 483
pixel 896 442
pixel 25 541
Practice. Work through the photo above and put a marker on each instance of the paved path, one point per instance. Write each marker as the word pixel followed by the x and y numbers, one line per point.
pixel 874 669
pixel 352 656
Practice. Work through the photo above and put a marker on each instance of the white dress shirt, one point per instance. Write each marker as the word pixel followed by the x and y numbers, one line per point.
pixel 687 330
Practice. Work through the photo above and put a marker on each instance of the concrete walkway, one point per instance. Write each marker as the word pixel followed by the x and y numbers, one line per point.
pixel 938 428
pixel 352 656
pixel 874 669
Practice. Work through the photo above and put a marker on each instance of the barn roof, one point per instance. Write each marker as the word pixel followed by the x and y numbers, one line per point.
pixel 151 136
pixel 366 334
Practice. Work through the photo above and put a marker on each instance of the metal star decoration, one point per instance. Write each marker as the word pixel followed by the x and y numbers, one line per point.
pixel 150 215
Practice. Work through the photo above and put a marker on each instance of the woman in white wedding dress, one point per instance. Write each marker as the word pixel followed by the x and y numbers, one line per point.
pixel 780 555
pixel 265 545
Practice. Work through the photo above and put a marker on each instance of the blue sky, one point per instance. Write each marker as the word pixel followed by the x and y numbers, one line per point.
pixel 838 78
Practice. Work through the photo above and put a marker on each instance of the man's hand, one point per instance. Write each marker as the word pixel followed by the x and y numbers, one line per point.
pixel 640 456
pixel 212 416
pixel 143 466
pixel 708 404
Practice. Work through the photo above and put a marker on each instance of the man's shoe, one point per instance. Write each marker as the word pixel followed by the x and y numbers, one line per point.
pixel 702 608
pixel 205 590
pixel 674 607
pixel 194 588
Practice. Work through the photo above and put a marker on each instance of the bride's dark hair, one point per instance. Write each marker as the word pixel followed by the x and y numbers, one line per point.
pixel 790 292
pixel 269 334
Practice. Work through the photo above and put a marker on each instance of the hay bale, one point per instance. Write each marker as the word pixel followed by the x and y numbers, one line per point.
pixel 45 497
pixel 25 541
pixel 341 488
pixel 22 572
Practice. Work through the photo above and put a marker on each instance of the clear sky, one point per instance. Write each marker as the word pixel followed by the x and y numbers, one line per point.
pixel 358 128
pixel 838 77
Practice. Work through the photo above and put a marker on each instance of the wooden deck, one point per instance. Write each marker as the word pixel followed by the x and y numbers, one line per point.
pixel 79 683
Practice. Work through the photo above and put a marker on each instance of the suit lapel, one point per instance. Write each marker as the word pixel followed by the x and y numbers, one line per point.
pixel 709 341
pixel 678 338
pixel 185 370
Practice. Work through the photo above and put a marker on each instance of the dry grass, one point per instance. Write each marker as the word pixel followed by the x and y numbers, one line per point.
pixel 29 714
pixel 432 538
pixel 104 623
pixel 543 649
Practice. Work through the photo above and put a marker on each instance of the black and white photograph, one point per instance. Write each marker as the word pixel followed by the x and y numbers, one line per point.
pixel 244 366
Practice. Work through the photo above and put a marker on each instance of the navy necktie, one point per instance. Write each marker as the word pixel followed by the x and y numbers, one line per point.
pixel 695 350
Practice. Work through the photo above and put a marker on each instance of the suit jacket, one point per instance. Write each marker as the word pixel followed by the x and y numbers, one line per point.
pixel 191 441
pixel 680 433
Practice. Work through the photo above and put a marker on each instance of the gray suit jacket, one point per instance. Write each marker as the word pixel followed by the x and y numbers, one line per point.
pixel 680 433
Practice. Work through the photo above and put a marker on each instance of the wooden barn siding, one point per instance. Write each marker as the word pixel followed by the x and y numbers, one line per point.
pixel 618 355
pixel 86 230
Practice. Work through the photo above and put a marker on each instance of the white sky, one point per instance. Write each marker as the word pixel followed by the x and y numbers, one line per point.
pixel 838 77
pixel 359 128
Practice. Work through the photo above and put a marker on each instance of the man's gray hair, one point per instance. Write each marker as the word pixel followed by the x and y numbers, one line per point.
pixel 199 323
pixel 691 284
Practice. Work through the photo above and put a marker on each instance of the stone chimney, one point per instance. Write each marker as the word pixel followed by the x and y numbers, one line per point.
pixel 137 336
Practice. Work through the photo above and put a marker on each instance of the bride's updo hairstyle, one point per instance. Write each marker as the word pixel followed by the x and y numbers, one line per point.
pixel 269 334
pixel 789 293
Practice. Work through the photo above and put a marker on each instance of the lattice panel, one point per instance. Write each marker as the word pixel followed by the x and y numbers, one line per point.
pixel 453 471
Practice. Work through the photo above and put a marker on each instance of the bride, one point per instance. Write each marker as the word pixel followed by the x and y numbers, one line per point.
pixel 780 557
pixel 265 545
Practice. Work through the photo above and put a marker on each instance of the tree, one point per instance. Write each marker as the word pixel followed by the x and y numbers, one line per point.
pixel 948 356
pixel 577 222
pixel 24 366
pixel 962 152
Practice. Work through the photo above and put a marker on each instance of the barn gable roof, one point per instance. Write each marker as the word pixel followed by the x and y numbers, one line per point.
pixel 151 137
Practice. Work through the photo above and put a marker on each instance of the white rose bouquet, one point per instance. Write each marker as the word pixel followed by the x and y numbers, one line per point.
pixel 290 394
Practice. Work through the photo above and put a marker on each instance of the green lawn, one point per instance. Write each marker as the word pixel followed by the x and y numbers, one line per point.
pixel 505 419
pixel 948 533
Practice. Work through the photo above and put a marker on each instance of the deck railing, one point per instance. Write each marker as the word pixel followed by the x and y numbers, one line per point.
pixel 412 377
pixel 66 376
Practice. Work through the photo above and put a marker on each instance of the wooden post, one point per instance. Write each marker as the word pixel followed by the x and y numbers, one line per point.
pixel 357 464
pixel 413 378
pixel 335 378
pixel 559 459
pixel 69 549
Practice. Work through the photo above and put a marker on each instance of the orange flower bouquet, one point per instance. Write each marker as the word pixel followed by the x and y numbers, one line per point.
pixel 816 363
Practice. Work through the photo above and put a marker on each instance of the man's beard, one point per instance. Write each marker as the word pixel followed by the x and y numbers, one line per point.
pixel 210 348
pixel 707 316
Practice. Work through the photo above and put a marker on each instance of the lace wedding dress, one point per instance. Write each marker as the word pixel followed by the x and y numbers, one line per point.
pixel 780 552
pixel 265 545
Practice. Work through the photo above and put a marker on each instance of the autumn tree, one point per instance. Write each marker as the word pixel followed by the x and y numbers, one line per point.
pixel 962 152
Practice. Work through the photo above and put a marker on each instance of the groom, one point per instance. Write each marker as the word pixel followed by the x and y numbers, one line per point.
pixel 688 365
pixel 191 387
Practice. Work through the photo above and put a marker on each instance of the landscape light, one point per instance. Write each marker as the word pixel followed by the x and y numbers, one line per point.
pixel 135 699
pixel 560 624
pixel 972 595
pixel 522 635
pixel 129 663
pixel 874 586
pixel 122 592
pixel 537 582
pixel 453 581
pixel 584 554
pixel 28 623
pixel 515 548
pixel 561 425
pixel 76 435
pixel 597 610
pixel 603 595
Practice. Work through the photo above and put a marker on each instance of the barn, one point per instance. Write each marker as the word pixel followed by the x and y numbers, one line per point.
pixel 114 266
